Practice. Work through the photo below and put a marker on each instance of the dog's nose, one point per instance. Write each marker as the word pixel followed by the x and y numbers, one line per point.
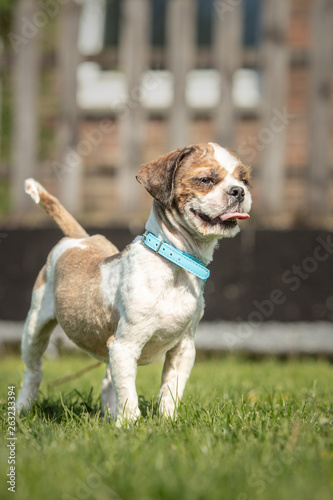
pixel 238 192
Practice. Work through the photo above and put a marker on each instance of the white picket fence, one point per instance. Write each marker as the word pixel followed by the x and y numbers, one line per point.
pixel 271 338
pixel 180 85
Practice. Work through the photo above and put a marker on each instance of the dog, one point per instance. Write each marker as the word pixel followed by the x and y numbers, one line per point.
pixel 137 306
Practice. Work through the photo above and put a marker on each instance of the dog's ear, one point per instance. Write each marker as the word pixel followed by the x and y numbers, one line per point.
pixel 157 176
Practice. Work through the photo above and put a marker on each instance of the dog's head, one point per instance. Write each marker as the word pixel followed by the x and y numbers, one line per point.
pixel 205 184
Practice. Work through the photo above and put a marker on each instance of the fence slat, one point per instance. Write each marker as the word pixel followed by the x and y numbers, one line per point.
pixel 26 72
pixel 181 22
pixel 1 90
pixel 275 65
pixel 320 114
pixel 70 188
pixel 134 51
pixel 227 55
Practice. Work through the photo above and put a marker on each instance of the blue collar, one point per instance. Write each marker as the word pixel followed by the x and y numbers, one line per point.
pixel 181 259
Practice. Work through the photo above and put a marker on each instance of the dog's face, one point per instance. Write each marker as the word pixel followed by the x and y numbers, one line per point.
pixel 205 184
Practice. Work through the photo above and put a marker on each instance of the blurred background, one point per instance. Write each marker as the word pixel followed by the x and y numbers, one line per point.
pixel 91 89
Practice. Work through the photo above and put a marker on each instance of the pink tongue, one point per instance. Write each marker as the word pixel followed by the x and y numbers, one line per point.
pixel 234 215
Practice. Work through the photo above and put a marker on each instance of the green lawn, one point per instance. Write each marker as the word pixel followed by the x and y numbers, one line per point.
pixel 246 430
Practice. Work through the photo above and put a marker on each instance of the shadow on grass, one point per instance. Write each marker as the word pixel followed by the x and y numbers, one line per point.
pixel 71 405
pixel 74 405
pixel 148 409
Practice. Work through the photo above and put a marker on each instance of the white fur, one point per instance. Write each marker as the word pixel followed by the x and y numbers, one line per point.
pixel 108 395
pixel 224 158
pixel 63 246
pixel 31 188
pixel 211 203
pixel 34 345
pixel 157 317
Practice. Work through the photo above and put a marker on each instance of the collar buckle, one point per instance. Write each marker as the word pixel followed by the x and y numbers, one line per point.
pixel 144 236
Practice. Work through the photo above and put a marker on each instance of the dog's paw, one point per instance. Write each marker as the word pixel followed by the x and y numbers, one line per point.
pixel 23 405
pixel 128 418
pixel 168 411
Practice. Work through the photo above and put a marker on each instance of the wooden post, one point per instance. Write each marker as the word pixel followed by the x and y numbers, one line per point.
pixel 227 53
pixel 320 115
pixel 181 23
pixel 133 55
pixel 69 169
pixel 26 73
pixel 2 48
pixel 275 118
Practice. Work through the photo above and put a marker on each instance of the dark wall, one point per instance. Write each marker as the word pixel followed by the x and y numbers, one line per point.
pixel 272 275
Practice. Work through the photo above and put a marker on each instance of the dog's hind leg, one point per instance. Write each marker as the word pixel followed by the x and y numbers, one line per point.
pixel 37 331
pixel 108 395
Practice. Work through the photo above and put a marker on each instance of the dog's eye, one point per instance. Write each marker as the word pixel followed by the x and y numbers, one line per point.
pixel 206 181
pixel 245 182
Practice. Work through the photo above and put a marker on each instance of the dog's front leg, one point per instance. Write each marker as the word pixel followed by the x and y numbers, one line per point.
pixel 177 368
pixel 123 364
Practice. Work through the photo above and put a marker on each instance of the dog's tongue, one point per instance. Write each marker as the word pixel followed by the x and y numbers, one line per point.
pixel 234 215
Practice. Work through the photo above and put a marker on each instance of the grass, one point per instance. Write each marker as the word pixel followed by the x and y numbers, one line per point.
pixel 246 430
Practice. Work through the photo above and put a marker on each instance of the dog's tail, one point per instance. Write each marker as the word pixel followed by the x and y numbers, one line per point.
pixel 69 226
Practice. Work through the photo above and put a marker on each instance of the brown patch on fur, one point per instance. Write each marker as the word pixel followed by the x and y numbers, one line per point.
pixel 242 173
pixel 201 164
pixel 104 243
pixel 110 341
pixel 41 278
pixel 69 226
pixel 80 307
pixel 157 176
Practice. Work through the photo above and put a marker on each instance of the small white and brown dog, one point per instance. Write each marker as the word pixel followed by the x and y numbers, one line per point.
pixel 133 307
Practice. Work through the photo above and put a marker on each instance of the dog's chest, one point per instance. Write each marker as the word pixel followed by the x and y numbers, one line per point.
pixel 172 316
pixel 158 302
pixel 175 308
pixel 159 291
pixel 166 314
